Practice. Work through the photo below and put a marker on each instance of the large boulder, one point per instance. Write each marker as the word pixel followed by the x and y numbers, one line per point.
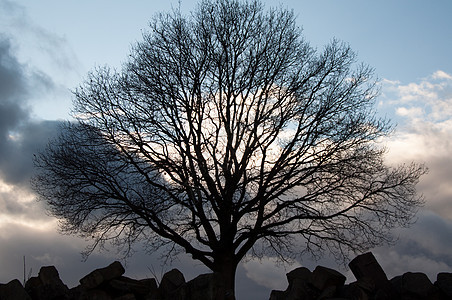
pixel 298 274
pixel 13 290
pixel 444 284
pixel 103 275
pixel 151 283
pixel 414 285
pixel 277 295
pixel 50 276
pixel 77 293
pixel 299 287
pixel 47 285
pixel 354 291
pixel 322 283
pixel 171 281
pixel 366 267
pixel 204 287
pixel 323 277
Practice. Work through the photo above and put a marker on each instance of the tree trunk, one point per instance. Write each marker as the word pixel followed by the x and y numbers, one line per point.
pixel 226 269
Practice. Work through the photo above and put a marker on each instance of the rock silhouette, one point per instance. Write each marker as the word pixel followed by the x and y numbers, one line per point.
pixel 371 283
pixel 109 283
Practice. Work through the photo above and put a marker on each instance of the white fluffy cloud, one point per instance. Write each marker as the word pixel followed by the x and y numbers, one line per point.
pixel 441 75
pixel 429 100
pixel 424 134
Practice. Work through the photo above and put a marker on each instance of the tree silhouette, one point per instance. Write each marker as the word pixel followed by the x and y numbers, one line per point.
pixel 226 134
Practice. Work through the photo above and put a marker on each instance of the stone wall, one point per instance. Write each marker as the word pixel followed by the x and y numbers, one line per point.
pixel 371 283
pixel 109 283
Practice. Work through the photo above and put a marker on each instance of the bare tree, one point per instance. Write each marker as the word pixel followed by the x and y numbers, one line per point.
pixel 226 134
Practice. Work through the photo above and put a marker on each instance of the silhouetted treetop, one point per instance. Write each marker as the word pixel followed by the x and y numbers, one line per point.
pixel 226 134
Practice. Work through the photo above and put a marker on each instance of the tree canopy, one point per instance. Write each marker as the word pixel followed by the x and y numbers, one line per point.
pixel 226 134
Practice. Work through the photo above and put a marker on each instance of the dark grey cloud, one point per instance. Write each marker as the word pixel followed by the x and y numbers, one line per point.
pixel 436 186
pixel 12 79
pixel 48 61
pixel 13 89
pixel 19 135
pixel 13 98
pixel 16 163
pixel 425 247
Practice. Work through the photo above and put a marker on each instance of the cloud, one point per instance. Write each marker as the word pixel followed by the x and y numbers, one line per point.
pixel 425 247
pixel 25 229
pixel 13 87
pixel 43 247
pixel 16 165
pixel 44 56
pixel 30 38
pixel 432 95
pixel 441 75
pixel 425 111
pixel 20 135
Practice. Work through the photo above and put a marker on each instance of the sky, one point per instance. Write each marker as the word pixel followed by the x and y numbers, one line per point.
pixel 48 47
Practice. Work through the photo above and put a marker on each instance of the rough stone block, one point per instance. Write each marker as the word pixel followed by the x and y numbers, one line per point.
pixel 99 276
pixel 301 289
pixel 444 283
pixel 77 293
pixel 204 286
pixel 301 273
pixel 323 277
pixel 47 285
pixel 171 281
pixel 13 290
pixel 151 283
pixel 49 276
pixel 277 295
pixel 367 266
pixel 353 291
pixel 32 283
pixel 367 284
pixel 328 293
pixel 396 282
pixel 416 284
